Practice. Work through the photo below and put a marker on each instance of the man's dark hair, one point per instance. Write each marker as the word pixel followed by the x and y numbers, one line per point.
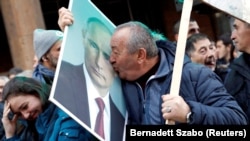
pixel 226 40
pixel 176 26
pixel 193 39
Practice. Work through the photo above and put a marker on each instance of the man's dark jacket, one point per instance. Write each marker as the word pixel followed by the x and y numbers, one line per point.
pixel 237 82
pixel 200 88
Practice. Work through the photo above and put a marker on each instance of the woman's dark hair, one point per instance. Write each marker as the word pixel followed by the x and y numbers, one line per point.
pixel 26 86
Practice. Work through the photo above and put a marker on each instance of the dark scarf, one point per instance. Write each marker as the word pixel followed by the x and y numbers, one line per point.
pixel 43 74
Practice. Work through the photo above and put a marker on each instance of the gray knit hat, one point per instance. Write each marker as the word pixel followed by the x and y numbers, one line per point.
pixel 43 40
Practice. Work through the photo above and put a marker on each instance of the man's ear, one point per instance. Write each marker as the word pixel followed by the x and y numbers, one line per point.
pixel 45 58
pixel 142 55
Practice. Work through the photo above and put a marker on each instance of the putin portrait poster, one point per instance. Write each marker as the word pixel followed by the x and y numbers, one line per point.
pixel 85 85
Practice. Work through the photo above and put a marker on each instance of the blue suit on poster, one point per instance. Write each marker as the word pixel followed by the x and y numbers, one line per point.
pixel 71 92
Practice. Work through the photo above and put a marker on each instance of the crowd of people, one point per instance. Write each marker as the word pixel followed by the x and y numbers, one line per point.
pixel 214 89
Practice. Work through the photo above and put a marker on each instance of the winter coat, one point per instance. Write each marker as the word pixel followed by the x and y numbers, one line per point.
pixel 237 82
pixel 200 87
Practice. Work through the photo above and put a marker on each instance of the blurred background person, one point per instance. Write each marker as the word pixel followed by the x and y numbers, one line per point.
pixel 226 53
pixel 14 71
pixel 192 28
pixel 47 45
pixel 26 73
pixel 3 80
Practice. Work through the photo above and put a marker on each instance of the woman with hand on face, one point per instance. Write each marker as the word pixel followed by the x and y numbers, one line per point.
pixel 27 99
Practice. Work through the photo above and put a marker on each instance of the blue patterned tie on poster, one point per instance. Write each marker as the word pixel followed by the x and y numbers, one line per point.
pixel 84 73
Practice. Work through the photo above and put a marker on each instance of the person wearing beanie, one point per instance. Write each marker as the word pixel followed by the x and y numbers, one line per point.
pixel 47 45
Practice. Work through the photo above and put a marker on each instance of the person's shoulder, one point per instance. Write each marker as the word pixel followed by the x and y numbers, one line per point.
pixel 198 70
pixel 62 114
pixel 166 44
pixel 66 120
pixel 59 112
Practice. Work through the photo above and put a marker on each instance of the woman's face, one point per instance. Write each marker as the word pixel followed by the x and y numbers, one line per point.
pixel 26 106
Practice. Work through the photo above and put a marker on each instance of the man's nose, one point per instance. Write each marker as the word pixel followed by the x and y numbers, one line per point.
pixel 111 59
pixel 233 35
pixel 211 52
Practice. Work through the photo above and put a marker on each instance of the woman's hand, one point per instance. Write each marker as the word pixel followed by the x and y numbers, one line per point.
pixel 8 124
